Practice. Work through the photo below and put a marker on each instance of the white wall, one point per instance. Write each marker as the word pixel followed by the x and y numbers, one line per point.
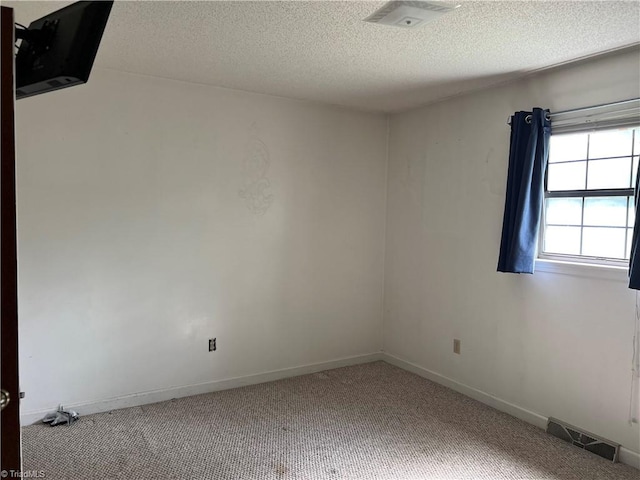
pixel 136 246
pixel 555 344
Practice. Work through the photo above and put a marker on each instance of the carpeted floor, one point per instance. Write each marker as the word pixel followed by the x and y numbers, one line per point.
pixel 371 421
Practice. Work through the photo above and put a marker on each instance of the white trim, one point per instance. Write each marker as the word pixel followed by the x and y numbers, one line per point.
pixel 155 396
pixel 483 397
pixel 599 117
pixel 584 260
pixel 575 269
pixel 628 457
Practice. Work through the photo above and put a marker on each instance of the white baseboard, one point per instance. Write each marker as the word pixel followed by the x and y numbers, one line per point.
pixel 628 457
pixel 145 398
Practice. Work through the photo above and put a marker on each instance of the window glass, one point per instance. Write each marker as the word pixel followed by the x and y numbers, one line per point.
pixel 605 211
pixel 610 173
pixel 580 219
pixel 567 176
pixel 603 242
pixel 564 211
pixel 562 240
pixel 611 143
pixel 564 148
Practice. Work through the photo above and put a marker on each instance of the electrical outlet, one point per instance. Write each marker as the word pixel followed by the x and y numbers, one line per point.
pixel 456 346
pixel 212 344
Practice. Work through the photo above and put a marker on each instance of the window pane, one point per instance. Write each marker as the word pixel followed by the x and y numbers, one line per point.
pixel 603 242
pixel 612 173
pixel 632 212
pixel 568 147
pixel 562 240
pixel 564 211
pixel 605 211
pixel 567 176
pixel 635 168
pixel 629 238
pixel 636 143
pixel 611 143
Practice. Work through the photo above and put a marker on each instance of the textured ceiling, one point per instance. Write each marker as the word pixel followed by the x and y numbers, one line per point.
pixel 322 50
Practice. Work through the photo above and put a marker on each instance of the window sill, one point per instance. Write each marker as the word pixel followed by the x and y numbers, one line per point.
pixel 604 272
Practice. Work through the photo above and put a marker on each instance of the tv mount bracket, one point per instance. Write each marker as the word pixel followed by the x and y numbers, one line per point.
pixel 39 40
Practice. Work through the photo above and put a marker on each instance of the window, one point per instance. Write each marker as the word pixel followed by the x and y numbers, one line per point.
pixel 588 213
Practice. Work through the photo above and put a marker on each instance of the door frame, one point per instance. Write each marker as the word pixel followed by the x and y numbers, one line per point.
pixel 10 443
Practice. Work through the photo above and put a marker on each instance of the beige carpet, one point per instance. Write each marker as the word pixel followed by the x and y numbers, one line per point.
pixel 371 421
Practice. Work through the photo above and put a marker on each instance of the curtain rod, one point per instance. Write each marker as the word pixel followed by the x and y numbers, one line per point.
pixel 585 109
pixel 614 104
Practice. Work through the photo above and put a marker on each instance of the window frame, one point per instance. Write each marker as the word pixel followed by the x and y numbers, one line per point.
pixel 583 194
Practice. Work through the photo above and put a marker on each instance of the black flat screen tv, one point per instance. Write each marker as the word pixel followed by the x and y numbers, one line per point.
pixel 57 51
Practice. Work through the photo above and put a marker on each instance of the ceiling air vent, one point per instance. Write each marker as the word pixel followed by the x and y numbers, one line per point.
pixel 409 14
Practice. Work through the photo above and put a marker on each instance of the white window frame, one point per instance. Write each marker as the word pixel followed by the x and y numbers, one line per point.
pixel 587 120
pixel 582 259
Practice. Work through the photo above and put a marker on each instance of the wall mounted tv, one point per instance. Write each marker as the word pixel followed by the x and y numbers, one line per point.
pixel 58 50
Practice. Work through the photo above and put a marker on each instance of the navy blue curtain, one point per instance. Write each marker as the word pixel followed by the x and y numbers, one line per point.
pixel 634 260
pixel 528 155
